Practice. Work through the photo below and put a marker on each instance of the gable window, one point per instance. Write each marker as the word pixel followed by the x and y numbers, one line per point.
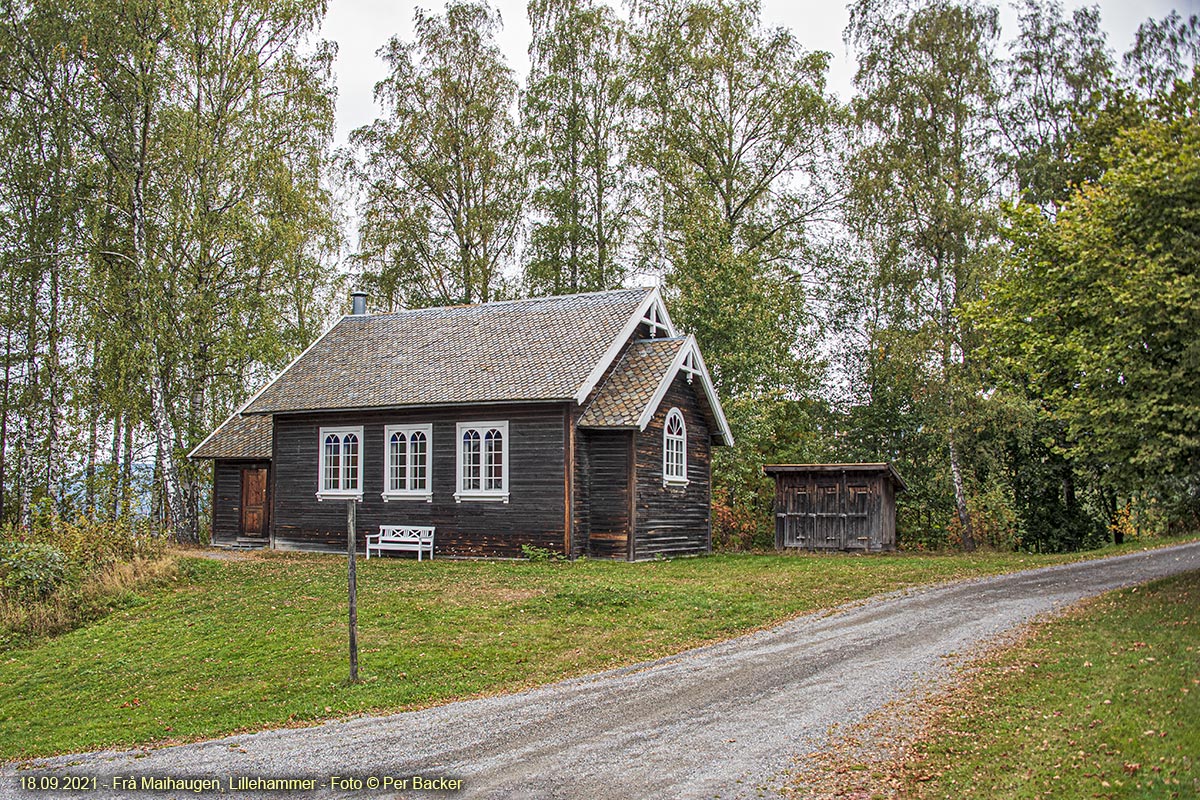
pixel 406 462
pixel 340 464
pixel 675 449
pixel 482 461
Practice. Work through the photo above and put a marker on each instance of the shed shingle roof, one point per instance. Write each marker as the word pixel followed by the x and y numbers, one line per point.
pixel 541 349
pixel 238 437
pixel 621 399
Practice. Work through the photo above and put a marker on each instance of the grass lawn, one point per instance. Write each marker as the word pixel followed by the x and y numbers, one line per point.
pixel 229 646
pixel 1101 703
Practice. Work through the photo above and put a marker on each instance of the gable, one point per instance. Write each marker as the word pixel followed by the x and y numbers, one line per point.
pixel 635 389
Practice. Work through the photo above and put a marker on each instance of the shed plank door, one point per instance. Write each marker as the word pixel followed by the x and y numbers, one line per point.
pixel 254 502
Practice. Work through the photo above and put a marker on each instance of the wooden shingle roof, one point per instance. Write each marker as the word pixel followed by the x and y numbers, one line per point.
pixel 239 436
pixel 521 350
pixel 621 400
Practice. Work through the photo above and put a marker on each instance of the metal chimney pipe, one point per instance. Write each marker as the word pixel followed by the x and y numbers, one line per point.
pixel 358 303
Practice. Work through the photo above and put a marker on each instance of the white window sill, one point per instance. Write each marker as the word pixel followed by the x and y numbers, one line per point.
pixel 484 497
pixel 675 482
pixel 323 496
pixel 389 496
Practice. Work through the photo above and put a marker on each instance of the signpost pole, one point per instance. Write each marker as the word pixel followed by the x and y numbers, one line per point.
pixel 352 577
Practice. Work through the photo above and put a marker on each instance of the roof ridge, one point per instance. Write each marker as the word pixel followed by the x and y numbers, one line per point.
pixel 494 303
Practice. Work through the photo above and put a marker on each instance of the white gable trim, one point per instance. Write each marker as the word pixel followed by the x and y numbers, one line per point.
pixel 653 300
pixel 689 349
pixel 278 375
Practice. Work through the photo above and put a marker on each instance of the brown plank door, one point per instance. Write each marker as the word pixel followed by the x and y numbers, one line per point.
pixel 254 502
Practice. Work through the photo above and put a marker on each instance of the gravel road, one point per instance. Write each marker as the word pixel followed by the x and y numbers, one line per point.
pixel 717 722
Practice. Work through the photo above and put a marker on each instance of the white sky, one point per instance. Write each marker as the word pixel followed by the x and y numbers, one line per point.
pixel 361 27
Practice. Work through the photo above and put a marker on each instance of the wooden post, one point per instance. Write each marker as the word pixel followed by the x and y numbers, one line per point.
pixel 351 511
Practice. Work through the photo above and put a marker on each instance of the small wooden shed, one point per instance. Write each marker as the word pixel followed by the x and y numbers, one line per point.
pixel 835 506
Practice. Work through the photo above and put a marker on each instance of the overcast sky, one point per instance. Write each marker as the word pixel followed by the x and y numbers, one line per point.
pixel 360 27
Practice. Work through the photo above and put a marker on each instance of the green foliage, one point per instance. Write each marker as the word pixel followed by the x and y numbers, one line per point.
pixel 442 175
pixel 1098 313
pixel 922 199
pixel 90 544
pixel 576 115
pixel 541 554
pixel 167 160
pixel 30 571
pixel 1060 74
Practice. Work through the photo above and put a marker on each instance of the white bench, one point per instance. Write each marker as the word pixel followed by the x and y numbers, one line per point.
pixel 401 537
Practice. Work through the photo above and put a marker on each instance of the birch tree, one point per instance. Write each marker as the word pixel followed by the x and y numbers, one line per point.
pixel 441 173
pixel 924 187
pixel 576 115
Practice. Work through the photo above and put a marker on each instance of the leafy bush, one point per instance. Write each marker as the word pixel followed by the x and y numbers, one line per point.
pixel 91 544
pixel 30 571
pixel 542 554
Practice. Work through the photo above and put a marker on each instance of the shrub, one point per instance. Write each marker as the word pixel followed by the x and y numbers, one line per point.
pixel 535 553
pixel 91 544
pixel 30 570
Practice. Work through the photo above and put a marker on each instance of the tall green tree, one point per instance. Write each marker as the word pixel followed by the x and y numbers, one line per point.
pixel 924 189
pixel 733 151
pixel 1164 51
pixel 441 172
pixel 1097 314
pixel 1059 74
pixel 576 115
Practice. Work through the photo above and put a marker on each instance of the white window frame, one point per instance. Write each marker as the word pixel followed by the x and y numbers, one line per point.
pixel 339 493
pixel 670 479
pixel 407 493
pixel 483 494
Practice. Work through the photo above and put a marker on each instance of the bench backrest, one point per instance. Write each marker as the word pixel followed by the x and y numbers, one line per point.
pixel 405 533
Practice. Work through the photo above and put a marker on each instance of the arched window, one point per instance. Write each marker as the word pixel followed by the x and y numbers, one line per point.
pixel 418 478
pixel 350 462
pixel 406 468
pixel 333 463
pixel 674 448
pixel 470 477
pixel 340 470
pixel 482 461
pixel 398 461
pixel 493 460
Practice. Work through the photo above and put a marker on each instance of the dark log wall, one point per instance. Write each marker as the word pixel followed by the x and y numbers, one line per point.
pixel 673 520
pixel 608 454
pixel 835 510
pixel 535 513
pixel 227 499
pixel 582 500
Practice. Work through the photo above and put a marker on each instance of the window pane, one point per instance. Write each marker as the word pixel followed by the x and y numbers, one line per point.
pixel 350 462
pixel 419 455
pixel 495 460
pixel 674 447
pixel 330 480
pixel 397 462
pixel 470 460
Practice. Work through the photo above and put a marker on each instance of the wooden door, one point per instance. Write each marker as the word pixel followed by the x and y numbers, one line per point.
pixel 608 494
pixel 254 502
